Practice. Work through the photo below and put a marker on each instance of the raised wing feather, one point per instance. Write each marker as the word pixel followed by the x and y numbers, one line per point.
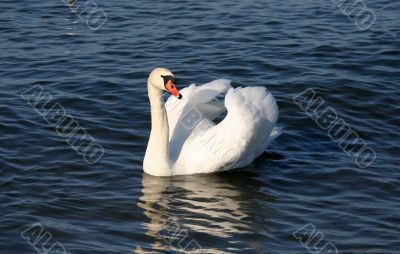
pixel 198 102
pixel 237 140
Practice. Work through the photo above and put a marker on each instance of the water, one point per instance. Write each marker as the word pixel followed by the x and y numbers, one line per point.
pixel 99 78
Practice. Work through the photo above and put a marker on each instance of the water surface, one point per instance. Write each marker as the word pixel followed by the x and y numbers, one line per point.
pixel 99 77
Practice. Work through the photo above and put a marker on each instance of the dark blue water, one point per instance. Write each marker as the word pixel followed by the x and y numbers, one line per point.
pixel 99 77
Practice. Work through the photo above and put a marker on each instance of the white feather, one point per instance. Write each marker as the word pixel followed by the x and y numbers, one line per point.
pixel 198 145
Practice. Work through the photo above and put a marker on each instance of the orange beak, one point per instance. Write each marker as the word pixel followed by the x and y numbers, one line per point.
pixel 171 88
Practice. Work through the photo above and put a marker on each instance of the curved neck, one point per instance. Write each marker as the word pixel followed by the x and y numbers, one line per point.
pixel 156 160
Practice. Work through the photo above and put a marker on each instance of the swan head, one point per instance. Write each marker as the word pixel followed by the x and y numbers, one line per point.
pixel 164 79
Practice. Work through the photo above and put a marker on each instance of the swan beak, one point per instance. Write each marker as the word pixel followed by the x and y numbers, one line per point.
pixel 171 88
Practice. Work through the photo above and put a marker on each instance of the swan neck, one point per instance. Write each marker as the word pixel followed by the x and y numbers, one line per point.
pixel 156 161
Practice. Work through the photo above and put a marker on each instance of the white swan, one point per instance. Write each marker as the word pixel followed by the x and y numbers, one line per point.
pixel 184 138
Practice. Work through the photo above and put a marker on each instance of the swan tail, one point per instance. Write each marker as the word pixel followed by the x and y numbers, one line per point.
pixel 275 133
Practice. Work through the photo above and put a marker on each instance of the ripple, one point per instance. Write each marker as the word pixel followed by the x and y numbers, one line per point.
pixel 99 77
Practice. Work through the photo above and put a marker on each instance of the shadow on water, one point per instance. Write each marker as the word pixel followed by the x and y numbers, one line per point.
pixel 216 206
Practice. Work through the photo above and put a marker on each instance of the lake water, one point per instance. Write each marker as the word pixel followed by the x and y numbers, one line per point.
pixel 312 193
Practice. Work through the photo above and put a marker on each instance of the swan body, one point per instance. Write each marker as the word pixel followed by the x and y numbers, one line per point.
pixel 186 137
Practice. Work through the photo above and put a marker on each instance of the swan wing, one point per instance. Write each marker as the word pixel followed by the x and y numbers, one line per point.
pixel 198 101
pixel 205 98
pixel 237 140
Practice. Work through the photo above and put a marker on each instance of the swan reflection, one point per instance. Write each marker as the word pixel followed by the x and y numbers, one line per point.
pixel 187 212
